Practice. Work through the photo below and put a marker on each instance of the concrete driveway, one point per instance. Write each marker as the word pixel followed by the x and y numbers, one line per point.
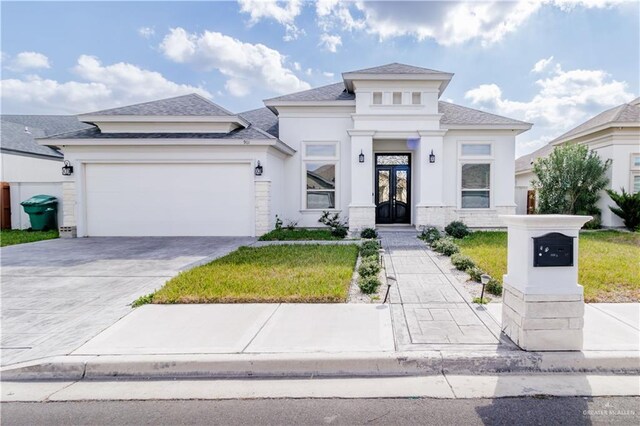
pixel 58 294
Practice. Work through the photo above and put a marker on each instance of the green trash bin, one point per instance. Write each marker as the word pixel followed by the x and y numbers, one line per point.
pixel 42 211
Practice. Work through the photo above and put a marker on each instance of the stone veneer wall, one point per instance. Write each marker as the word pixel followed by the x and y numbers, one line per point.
pixel 441 216
pixel 69 203
pixel 361 217
pixel 263 207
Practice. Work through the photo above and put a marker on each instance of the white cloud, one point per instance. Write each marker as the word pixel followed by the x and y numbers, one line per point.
pixel 296 66
pixel 245 65
pixel 309 72
pixel 542 64
pixel 564 100
pixel 28 61
pixel 446 22
pixel 330 42
pixel 146 32
pixel 102 86
pixel 283 12
pixel 328 74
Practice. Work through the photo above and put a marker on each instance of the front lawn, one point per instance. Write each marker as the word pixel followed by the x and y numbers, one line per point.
pixel 298 234
pixel 609 262
pixel 282 273
pixel 9 237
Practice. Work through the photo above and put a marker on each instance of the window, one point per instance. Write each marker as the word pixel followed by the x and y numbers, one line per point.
pixel 475 149
pixel 636 183
pixel 635 173
pixel 416 98
pixel 397 98
pixel 476 185
pixel 320 168
pixel 377 98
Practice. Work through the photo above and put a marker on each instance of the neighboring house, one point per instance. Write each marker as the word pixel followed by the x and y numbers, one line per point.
pixel 378 147
pixel 27 167
pixel 614 134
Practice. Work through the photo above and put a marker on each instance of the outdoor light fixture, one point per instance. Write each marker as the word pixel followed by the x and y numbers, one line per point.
pixel 258 170
pixel 432 157
pixel 361 157
pixel 67 169
pixel 484 278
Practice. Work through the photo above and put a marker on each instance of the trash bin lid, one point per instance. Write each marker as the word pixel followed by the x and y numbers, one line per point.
pixel 39 200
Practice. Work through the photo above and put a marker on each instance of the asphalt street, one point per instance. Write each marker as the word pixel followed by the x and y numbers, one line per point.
pixel 520 411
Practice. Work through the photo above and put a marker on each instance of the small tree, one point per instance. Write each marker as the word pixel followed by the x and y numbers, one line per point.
pixel 569 181
pixel 628 208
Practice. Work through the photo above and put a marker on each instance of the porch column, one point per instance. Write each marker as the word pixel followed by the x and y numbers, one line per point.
pixel 430 207
pixel 361 208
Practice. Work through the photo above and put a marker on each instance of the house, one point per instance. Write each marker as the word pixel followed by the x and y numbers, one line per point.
pixel 379 147
pixel 27 168
pixel 614 134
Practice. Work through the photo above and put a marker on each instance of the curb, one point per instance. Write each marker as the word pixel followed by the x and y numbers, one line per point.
pixel 373 364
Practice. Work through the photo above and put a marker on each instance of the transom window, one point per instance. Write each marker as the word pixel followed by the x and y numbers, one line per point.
pixel 475 149
pixel 392 160
pixel 320 171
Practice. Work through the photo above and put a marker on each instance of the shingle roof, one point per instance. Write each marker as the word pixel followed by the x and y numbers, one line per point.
pixel 251 132
pixel 331 92
pixel 192 104
pixel 264 119
pixel 625 113
pixel 14 138
pixel 396 68
pixel 457 114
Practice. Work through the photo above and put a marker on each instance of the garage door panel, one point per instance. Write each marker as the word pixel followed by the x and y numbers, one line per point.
pixel 169 199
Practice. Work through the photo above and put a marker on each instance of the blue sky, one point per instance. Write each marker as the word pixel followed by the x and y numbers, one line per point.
pixel 552 62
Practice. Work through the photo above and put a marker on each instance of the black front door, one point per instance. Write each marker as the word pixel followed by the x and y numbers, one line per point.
pixel 393 190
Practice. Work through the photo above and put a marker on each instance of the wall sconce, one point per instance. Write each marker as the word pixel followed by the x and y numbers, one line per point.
pixel 361 157
pixel 258 170
pixel 432 157
pixel 67 169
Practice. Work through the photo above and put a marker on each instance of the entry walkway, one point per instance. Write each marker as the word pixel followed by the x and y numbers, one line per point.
pixel 430 309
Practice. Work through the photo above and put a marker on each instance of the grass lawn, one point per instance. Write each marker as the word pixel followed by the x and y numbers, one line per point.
pixel 11 237
pixel 609 262
pixel 297 234
pixel 283 273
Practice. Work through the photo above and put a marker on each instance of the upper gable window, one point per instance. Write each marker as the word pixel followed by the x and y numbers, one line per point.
pixel 397 98
pixel 377 98
pixel 416 98
pixel 476 149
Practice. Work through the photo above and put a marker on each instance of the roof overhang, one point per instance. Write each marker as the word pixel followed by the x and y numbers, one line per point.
pixel 273 105
pixel 613 125
pixel 443 77
pixel 31 154
pixel 239 143
pixel 520 128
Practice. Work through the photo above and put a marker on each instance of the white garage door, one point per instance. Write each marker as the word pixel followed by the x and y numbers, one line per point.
pixel 169 199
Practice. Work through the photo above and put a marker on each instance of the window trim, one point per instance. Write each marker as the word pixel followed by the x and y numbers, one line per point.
pixel 393 98
pixel 334 160
pixel 373 97
pixel 419 98
pixel 489 189
pixel 476 159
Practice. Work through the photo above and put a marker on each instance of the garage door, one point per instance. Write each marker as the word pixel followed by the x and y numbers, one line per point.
pixel 169 199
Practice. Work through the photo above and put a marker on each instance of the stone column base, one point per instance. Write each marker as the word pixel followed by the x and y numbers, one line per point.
pixel 361 217
pixel 263 207
pixel 538 322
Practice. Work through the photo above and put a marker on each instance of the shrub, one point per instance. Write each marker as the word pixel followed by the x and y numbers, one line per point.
pixel 142 300
pixel 278 223
pixel 370 245
pixel 369 233
pixel 369 285
pixel 479 301
pixel 291 224
pixel 462 262
pixel 338 227
pixel 445 246
pixel 430 235
pixel 628 208
pixel 595 223
pixel 370 248
pixel 457 229
pixel 475 273
pixel 369 267
pixel 494 287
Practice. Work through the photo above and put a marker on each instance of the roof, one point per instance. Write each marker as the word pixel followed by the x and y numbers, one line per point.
pixel 396 68
pixel 625 113
pixel 18 132
pixel 458 114
pixel 251 132
pixel 186 105
pixel 331 92
pixel 264 119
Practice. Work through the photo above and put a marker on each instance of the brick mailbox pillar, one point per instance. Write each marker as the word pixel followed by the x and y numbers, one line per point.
pixel 542 303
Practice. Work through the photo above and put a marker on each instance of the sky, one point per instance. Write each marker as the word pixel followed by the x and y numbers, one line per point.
pixel 554 63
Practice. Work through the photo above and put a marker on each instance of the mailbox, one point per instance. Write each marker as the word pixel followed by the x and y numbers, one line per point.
pixel 553 249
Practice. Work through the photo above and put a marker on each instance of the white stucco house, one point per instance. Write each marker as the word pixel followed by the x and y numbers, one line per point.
pixel 379 147
pixel 614 134
pixel 26 167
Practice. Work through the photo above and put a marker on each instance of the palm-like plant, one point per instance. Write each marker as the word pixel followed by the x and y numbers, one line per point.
pixel 628 208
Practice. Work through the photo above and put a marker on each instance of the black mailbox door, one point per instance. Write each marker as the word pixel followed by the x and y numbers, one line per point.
pixel 553 249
